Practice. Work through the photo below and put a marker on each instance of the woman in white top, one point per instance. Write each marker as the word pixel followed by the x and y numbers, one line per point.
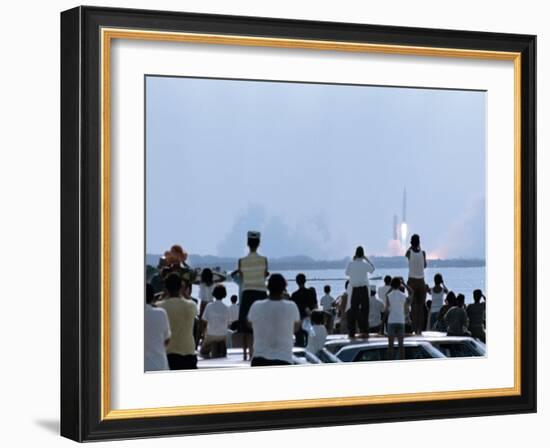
pixel 417 263
pixel 358 271
pixel 438 296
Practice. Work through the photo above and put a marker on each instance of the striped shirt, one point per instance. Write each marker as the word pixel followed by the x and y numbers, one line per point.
pixel 253 268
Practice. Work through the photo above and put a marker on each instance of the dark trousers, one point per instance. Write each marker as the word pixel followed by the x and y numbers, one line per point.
pixel 301 338
pixel 247 299
pixel 418 307
pixel 182 362
pixel 358 314
pixel 258 361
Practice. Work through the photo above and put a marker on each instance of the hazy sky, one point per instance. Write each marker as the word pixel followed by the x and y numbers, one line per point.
pixel 317 168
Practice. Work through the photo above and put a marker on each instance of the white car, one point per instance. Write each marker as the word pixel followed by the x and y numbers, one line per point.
pixel 377 350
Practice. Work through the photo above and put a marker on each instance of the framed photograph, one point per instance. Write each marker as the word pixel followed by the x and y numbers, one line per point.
pixel 273 223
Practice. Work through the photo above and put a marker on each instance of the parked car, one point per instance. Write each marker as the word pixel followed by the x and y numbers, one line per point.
pixel 453 346
pixel 450 346
pixel 335 342
pixel 234 359
pixel 377 350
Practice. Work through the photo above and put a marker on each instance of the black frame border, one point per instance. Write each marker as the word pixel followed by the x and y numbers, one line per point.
pixel 81 223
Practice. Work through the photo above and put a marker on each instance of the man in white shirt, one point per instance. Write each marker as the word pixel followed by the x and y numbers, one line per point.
pixel 358 314
pixel 157 334
pixel 376 309
pixel 216 317
pixel 396 302
pixel 274 321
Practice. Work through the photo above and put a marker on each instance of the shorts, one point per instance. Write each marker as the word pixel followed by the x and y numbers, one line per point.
pixel 396 330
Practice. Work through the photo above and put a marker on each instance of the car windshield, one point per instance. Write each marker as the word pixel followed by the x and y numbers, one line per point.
pixel 455 350
pixel 381 353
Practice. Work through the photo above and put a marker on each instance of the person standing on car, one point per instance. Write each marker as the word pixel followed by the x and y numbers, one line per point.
pixel 252 272
pixel 358 271
pixel 396 305
pixel 417 263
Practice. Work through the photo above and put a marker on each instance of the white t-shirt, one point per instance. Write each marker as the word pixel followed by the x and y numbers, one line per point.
pixel 316 341
pixel 233 312
pixel 273 326
pixel 358 271
pixel 326 302
pixel 376 308
pixel 157 331
pixel 217 315
pixel 205 293
pixel 382 290
pixel 416 264
pixel 437 301
pixel 397 302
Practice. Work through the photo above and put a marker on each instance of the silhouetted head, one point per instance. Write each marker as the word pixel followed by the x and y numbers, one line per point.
pixel 477 295
pixel 253 240
pixel 451 298
pixel 396 282
pixel 276 285
pixel 387 280
pixel 460 299
pixel 317 318
pixel 253 243
pixel 179 253
pixel 327 289
pixel 415 241
pixel 172 283
pixel 234 298
pixel 300 279
pixel 219 292
pixel 149 294
pixel 207 277
pixel 438 279
pixel 359 252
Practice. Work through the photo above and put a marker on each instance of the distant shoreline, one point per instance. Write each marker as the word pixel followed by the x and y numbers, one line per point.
pixel 307 263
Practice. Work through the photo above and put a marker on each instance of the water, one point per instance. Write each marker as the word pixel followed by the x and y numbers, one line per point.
pixel 460 280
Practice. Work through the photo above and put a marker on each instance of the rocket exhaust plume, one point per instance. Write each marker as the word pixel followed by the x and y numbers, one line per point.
pixel 404 234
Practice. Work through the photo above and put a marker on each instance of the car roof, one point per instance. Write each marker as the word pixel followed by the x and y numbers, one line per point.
pixel 383 343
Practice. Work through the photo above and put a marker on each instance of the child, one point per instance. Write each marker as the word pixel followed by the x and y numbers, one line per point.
pixel 233 309
pixel 317 337
pixel 327 303
pixel 397 306
pixel 205 288
pixel 216 317
pixel 438 297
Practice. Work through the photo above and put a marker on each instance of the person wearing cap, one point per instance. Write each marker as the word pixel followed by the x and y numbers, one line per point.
pixel 253 271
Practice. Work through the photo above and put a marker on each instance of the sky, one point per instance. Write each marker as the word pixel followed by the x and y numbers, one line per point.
pixel 317 168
